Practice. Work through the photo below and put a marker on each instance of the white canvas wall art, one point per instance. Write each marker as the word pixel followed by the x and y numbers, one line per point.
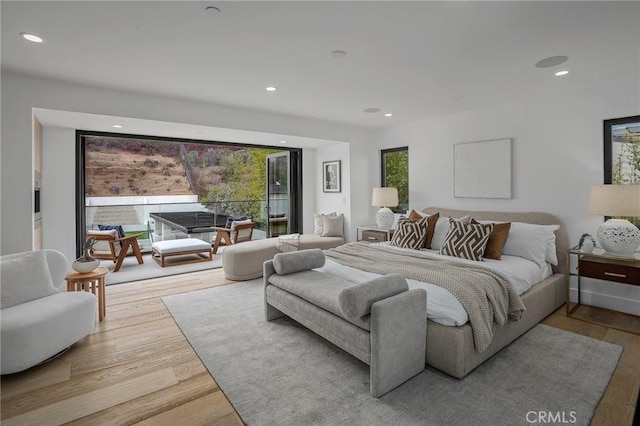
pixel 482 169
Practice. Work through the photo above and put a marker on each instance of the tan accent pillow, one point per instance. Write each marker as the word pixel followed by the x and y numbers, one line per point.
pixel 332 226
pixel 318 223
pixel 431 225
pixel 496 240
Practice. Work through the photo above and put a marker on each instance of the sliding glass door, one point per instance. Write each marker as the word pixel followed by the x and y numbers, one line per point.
pixel 278 206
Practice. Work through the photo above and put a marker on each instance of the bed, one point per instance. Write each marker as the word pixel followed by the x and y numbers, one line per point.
pixel 450 338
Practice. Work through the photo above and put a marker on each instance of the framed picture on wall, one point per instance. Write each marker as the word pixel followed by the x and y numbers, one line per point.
pixel 331 179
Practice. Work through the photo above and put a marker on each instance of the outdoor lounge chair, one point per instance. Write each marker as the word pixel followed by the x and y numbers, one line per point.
pixel 240 231
pixel 109 246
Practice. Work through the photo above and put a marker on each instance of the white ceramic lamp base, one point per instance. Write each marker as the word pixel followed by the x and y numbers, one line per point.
pixel 385 218
pixel 619 236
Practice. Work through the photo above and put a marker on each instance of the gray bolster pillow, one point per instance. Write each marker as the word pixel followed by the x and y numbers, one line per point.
pixel 355 301
pixel 297 261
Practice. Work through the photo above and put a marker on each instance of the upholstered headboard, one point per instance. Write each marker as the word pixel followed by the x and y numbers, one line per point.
pixel 562 239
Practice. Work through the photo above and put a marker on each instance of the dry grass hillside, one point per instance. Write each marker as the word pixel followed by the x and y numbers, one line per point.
pixel 112 171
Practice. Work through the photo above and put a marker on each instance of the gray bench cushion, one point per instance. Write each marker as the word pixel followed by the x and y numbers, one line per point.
pixel 355 301
pixel 297 261
pixel 320 289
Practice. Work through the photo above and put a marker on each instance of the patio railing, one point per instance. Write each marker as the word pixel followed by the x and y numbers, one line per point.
pixel 135 218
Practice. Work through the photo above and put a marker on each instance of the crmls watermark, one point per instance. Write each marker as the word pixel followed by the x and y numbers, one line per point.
pixel 551 417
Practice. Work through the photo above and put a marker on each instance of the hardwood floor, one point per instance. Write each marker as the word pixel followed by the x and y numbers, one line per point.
pixel 138 368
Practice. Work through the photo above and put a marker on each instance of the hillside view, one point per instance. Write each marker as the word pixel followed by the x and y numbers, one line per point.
pixel 139 167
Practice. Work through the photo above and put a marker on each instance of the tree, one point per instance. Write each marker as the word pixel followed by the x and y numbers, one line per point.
pixel 397 175
pixel 626 169
pixel 243 185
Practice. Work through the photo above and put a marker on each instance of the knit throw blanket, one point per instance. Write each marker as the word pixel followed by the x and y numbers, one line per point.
pixel 287 243
pixel 486 295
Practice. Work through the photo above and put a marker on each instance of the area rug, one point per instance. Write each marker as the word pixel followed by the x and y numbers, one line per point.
pixel 132 271
pixel 279 373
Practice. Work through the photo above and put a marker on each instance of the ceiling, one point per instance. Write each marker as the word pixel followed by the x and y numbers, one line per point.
pixel 412 59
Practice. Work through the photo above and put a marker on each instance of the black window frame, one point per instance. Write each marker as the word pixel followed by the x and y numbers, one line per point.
pixel 608 145
pixel 383 173
pixel 608 151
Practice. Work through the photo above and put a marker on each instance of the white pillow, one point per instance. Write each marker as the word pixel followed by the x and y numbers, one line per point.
pixel 332 225
pixel 533 242
pixel 235 223
pixel 318 224
pixel 25 278
pixel 551 255
pixel 103 245
pixel 441 230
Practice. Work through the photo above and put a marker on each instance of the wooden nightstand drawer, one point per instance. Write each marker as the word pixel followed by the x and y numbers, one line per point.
pixel 374 236
pixel 628 273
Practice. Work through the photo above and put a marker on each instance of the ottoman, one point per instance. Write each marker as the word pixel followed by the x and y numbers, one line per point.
pixel 160 250
pixel 244 261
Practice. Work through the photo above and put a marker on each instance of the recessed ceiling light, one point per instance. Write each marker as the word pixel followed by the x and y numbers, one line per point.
pixel 551 61
pixel 32 37
pixel 117 126
pixel 283 141
pixel 212 10
pixel 338 54
pixel 561 73
pixel 388 114
pixel 371 110
pixel 271 89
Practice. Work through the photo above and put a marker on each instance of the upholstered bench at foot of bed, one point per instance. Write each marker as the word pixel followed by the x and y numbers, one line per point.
pixel 381 322
pixel 160 250
pixel 244 261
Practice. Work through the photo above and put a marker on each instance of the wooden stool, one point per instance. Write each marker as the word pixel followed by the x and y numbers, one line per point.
pixel 91 281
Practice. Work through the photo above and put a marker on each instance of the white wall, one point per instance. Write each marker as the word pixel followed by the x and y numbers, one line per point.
pixel 309 179
pixel 557 153
pixel 59 190
pixel 21 93
pixel 339 202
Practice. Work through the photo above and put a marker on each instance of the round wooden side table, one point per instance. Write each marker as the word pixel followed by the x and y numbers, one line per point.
pixel 91 281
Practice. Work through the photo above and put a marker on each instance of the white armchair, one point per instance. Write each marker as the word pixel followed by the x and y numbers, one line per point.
pixel 38 319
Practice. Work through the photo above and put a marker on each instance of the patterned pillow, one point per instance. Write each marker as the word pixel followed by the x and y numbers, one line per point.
pixel 409 233
pixel 467 241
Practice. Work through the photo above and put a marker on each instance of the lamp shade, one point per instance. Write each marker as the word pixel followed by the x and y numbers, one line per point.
pixel 615 200
pixel 384 197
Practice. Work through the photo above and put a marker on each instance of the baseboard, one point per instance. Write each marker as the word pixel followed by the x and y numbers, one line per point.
pixel 607 301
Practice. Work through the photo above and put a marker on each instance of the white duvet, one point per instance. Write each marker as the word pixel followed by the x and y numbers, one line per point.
pixel 442 306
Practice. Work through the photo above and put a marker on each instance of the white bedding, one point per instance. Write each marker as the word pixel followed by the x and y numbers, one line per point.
pixel 442 306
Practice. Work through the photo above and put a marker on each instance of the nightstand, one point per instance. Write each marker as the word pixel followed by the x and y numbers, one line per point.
pixel 601 266
pixel 373 234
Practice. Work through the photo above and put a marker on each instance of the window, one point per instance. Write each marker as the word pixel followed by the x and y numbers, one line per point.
pixel 622 153
pixel 129 180
pixel 395 173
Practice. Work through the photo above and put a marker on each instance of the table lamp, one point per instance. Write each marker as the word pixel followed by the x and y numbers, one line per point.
pixel 384 197
pixel 617 236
